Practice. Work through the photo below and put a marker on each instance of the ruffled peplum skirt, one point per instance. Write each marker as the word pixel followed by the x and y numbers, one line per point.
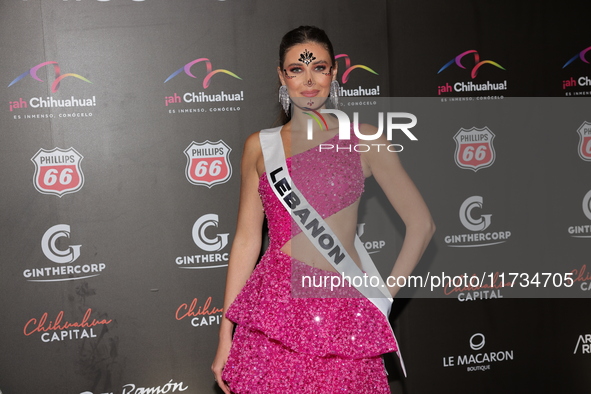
pixel 287 344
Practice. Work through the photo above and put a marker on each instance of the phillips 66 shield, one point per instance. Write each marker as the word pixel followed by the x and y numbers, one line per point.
pixel 58 171
pixel 585 141
pixel 208 163
pixel 474 148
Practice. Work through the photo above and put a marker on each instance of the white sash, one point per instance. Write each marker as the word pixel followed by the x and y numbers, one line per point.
pixel 317 230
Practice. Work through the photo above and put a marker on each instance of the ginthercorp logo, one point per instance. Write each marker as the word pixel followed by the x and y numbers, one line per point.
pixel 72 103
pixel 200 237
pixel 345 78
pixel 583 344
pixel 583 231
pixel 345 130
pixel 208 163
pixel 371 246
pixel 208 238
pixel 480 223
pixel 57 171
pixel 475 68
pixel 574 81
pixel 474 148
pixel 473 219
pixel 480 361
pixel 587 205
pixel 201 97
pixel 54 244
pixel 585 141
pixel 50 249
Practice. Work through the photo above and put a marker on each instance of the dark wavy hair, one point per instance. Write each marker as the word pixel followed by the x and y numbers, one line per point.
pixel 302 35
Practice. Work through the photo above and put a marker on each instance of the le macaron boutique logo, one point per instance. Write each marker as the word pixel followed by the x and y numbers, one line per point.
pixel 68 98
pixel 480 358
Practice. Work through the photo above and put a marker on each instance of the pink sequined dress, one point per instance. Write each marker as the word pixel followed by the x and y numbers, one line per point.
pixel 287 344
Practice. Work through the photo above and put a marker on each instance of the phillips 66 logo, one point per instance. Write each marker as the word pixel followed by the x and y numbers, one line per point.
pixel 208 163
pixel 474 148
pixel 58 171
pixel 585 141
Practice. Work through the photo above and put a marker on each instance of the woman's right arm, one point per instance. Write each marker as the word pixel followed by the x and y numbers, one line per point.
pixel 245 250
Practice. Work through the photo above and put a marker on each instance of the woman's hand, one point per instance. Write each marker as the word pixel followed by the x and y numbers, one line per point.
pixel 219 362
pixel 405 199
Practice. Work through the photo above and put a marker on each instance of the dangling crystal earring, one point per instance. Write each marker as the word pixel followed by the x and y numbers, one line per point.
pixel 284 99
pixel 334 93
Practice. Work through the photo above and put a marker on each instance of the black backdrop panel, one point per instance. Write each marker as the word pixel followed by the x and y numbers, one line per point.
pixel 114 246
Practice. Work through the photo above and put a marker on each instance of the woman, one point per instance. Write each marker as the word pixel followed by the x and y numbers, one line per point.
pixel 285 343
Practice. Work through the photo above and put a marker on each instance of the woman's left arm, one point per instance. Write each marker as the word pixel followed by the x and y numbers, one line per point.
pixel 404 196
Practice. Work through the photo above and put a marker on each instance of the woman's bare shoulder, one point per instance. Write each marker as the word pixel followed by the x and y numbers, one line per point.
pixel 252 145
pixel 253 154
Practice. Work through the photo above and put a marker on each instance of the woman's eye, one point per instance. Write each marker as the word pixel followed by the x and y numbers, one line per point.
pixel 320 68
pixel 295 70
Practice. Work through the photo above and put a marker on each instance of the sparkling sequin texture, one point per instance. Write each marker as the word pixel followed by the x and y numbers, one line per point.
pixel 284 344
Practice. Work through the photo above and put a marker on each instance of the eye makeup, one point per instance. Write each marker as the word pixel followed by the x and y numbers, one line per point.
pixel 287 75
pixel 295 70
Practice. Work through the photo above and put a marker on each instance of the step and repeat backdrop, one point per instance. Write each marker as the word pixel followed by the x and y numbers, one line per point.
pixel 123 123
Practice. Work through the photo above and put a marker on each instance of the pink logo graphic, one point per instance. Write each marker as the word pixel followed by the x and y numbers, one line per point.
pixel 208 163
pixel 58 76
pixel 349 68
pixel 585 141
pixel 58 171
pixel 474 148
pixel 477 63
pixel 580 55
pixel 210 72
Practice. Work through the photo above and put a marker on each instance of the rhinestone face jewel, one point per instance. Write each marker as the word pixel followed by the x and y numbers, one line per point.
pixel 306 57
